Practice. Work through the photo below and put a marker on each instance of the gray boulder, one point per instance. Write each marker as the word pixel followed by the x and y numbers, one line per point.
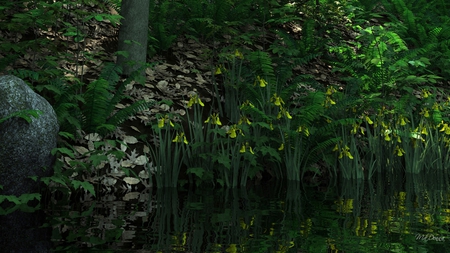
pixel 25 151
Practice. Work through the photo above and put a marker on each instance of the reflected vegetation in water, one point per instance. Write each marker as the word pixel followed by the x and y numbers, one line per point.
pixel 387 214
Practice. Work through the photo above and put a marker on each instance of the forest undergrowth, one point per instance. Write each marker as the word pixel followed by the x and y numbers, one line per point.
pixel 238 91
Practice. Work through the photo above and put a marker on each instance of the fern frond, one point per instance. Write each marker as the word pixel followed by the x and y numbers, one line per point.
pixel 110 73
pixel 95 109
pixel 123 114
pixel 261 64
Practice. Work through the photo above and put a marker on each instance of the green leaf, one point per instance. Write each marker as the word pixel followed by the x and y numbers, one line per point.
pixel 97 159
pixel 85 185
pixel 224 160
pixel 63 151
pixel 54 178
pixel 24 198
pixel 198 171
pixel 99 17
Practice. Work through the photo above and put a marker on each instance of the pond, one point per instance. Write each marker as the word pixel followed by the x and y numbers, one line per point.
pixel 408 213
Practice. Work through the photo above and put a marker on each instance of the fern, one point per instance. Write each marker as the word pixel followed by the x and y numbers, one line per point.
pixel 261 65
pixel 97 108
pixel 100 101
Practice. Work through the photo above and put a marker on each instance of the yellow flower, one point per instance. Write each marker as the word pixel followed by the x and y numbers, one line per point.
pixel 285 113
pixel 214 119
pixel 262 82
pixel 303 129
pixel 329 101
pixel 278 101
pixel 232 132
pixel 246 103
pixel 436 106
pixel 195 100
pixel 245 120
pixel 163 120
pixel 238 54
pixel 244 148
pixel 399 151
pixel 180 138
pixel 403 120
pixel 346 152
pixel 354 129
pixel 425 93
pixel 336 148
pixel 425 112
pixel 387 137
pixel 219 70
pixel 330 90
pixel 445 128
pixel 281 146
pixel 369 120
pixel 424 131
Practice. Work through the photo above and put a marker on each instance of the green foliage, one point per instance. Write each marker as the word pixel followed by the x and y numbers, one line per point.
pixel 423 25
pixel 25 114
pixel 93 111
pixel 19 203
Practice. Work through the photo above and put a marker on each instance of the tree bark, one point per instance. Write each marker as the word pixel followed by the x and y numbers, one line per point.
pixel 133 34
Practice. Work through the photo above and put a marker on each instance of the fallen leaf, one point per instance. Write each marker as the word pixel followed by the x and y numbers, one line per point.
pixel 81 150
pixel 130 139
pixel 131 180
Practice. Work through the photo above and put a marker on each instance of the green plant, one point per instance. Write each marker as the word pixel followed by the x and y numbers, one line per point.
pixel 93 110
pixel 24 114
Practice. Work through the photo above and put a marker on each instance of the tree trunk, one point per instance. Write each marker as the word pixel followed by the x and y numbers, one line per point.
pixel 133 35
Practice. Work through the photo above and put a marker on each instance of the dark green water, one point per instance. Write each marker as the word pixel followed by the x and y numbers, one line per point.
pixel 389 214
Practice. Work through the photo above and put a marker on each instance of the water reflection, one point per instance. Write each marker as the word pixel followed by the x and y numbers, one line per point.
pixel 388 214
